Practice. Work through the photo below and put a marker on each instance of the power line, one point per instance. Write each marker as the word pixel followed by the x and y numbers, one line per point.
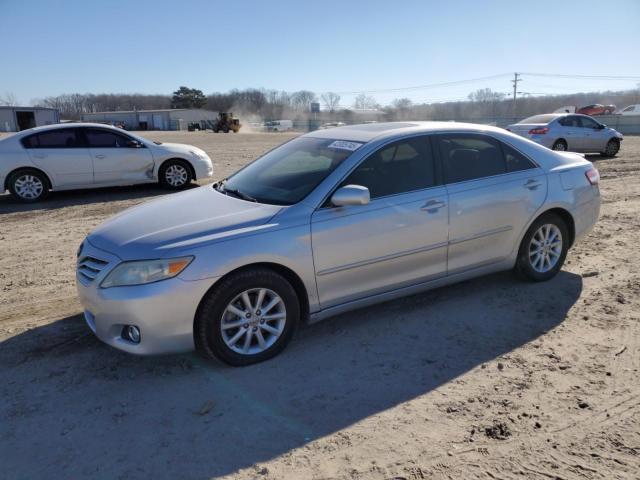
pixel 427 86
pixel 600 77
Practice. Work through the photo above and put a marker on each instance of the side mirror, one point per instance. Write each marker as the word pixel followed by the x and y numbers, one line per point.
pixel 350 195
pixel 134 144
pixel 602 126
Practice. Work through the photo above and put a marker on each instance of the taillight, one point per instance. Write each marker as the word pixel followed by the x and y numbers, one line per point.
pixel 538 131
pixel 593 175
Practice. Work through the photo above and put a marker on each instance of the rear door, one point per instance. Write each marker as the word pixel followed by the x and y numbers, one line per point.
pixel 118 158
pixel 493 192
pixel 398 239
pixel 571 130
pixel 62 154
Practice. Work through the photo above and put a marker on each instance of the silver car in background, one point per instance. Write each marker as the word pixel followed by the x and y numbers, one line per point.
pixel 569 132
pixel 328 222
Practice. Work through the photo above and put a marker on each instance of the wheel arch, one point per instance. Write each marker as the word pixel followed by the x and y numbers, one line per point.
pixel 192 170
pixel 292 277
pixel 564 215
pixel 27 168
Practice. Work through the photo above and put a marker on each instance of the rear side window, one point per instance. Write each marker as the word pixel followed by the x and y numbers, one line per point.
pixel 469 156
pixel 400 167
pixel 97 138
pixel 515 160
pixel 63 138
pixel 570 121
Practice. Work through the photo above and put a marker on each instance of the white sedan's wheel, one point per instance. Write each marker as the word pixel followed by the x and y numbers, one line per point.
pixel 28 186
pixel 253 321
pixel 175 174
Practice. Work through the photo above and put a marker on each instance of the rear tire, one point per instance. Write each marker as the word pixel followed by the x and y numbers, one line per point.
pixel 224 321
pixel 29 186
pixel 175 174
pixel 543 248
pixel 560 146
pixel 612 148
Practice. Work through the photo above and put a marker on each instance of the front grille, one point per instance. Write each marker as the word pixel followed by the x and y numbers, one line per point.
pixel 90 267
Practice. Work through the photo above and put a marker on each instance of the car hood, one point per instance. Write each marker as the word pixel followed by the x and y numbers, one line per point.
pixel 155 228
pixel 181 148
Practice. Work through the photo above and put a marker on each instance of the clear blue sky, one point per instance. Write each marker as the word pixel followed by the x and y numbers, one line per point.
pixel 52 47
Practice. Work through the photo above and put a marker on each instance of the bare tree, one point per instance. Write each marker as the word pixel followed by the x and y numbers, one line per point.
pixel 8 99
pixel 331 100
pixel 364 102
pixel 300 100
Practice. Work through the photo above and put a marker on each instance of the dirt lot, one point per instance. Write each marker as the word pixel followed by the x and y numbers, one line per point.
pixel 493 378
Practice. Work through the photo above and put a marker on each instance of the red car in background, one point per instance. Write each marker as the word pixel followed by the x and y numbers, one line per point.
pixel 597 109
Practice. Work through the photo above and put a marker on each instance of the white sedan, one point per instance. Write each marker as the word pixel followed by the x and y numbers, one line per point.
pixel 87 155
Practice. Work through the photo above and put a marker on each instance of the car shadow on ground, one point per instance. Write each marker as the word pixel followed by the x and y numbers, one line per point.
pixel 89 410
pixel 71 198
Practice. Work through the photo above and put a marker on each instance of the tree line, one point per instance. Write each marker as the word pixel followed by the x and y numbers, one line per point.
pixel 264 104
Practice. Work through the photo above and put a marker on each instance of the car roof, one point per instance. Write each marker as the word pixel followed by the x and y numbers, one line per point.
pixel 56 126
pixel 369 131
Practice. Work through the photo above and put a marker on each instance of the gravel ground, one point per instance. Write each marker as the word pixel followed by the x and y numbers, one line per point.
pixel 492 378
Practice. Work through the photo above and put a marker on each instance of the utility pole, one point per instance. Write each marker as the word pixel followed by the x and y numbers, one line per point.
pixel 516 79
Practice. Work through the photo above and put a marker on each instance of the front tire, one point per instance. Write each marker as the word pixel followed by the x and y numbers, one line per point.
pixel 175 174
pixel 28 186
pixel 543 248
pixel 249 317
pixel 612 148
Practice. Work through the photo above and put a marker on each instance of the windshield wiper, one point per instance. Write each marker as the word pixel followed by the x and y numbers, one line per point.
pixel 219 186
pixel 239 194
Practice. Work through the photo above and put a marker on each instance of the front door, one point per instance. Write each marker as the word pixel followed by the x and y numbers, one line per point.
pixel 595 138
pixel 398 239
pixel 116 159
pixel 62 154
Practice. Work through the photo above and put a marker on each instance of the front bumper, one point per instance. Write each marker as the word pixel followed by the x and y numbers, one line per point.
pixel 203 169
pixel 163 311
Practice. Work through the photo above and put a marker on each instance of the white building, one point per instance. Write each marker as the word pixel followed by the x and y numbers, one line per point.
pixel 162 119
pixel 14 119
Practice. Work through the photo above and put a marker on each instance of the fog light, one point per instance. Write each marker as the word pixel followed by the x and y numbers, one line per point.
pixel 131 333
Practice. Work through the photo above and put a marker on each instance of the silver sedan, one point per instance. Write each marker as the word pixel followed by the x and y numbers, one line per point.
pixel 569 132
pixel 328 222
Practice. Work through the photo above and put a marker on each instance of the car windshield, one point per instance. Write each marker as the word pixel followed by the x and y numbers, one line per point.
pixel 539 119
pixel 288 173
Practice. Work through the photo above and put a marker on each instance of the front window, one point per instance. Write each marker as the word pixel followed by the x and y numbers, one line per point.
pixel 288 173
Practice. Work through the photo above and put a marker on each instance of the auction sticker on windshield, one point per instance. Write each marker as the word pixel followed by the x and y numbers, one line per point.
pixel 344 145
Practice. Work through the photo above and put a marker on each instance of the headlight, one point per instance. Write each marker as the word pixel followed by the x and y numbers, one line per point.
pixel 145 271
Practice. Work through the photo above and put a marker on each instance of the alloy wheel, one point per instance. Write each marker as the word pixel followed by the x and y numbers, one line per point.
pixel 28 186
pixel 545 248
pixel 611 148
pixel 176 175
pixel 253 321
pixel 560 147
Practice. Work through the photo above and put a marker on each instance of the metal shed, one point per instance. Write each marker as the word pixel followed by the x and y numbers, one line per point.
pixel 14 119
pixel 162 119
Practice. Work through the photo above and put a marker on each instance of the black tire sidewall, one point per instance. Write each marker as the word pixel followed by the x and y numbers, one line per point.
pixel 557 142
pixel 35 173
pixel 207 335
pixel 165 166
pixel 617 143
pixel 523 264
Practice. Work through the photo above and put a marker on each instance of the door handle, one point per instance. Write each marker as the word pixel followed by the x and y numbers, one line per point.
pixel 433 206
pixel 532 184
pixel 101 156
